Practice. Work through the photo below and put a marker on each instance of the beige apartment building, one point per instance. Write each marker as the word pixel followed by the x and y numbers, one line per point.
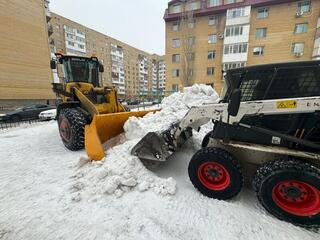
pixel 25 75
pixel 206 37
pixel 134 72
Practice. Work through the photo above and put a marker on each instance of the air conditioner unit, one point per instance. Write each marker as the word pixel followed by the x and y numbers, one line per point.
pixel 299 13
pixel 221 36
pixel 298 54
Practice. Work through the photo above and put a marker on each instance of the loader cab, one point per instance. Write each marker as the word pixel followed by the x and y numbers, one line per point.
pixel 79 69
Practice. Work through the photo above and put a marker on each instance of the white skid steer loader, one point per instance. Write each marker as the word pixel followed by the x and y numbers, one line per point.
pixel 266 130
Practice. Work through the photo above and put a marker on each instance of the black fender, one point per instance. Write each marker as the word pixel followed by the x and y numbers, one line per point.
pixel 63 105
pixel 74 104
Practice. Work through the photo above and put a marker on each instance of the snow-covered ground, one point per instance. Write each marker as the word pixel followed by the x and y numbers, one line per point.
pixel 48 192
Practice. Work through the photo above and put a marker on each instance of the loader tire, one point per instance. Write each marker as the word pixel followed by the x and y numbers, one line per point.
pixel 215 173
pixel 289 189
pixel 71 127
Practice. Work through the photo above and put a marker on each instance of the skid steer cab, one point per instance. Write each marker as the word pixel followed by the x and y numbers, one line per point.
pixel 88 113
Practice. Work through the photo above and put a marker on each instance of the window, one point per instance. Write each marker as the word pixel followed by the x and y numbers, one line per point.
pixel 235 48
pixel 80 39
pixel 176 8
pixel 191 56
pixel 233 65
pixel 211 55
pixel 175 58
pixel 176 43
pixel 234 31
pixel 70 43
pixel 175 73
pixel 212 38
pixel 301 28
pixel 79 32
pixel 68 28
pixel 69 35
pixel 261 32
pixel 263 13
pixel 175 27
pixel 191 23
pixel 304 6
pixel 175 88
pixel 210 71
pixel 236 12
pixel 297 48
pixel 191 41
pixel 229 1
pixel 213 3
pixel 258 51
pixel 213 20
pixel 193 5
pixel 81 46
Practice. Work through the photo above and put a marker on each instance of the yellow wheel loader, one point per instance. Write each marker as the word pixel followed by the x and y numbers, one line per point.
pixel 88 113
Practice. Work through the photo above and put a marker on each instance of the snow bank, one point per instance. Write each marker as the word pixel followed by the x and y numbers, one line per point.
pixel 174 108
pixel 120 171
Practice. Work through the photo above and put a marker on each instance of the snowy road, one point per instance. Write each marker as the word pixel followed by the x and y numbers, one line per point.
pixel 37 200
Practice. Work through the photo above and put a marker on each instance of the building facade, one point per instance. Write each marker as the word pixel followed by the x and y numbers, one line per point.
pixel 25 75
pixel 206 37
pixel 127 68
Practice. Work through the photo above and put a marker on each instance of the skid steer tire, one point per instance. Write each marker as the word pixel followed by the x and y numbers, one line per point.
pixel 71 127
pixel 215 173
pixel 290 190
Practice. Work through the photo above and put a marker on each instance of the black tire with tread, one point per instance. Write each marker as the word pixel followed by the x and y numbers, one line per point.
pixel 271 173
pixel 224 158
pixel 77 123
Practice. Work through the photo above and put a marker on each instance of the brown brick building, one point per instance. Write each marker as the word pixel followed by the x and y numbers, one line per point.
pixel 132 71
pixel 204 37
pixel 25 74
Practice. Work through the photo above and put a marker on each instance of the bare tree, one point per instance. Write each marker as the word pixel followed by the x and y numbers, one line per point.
pixel 187 25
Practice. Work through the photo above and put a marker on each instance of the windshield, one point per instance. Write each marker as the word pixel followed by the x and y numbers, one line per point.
pixel 81 70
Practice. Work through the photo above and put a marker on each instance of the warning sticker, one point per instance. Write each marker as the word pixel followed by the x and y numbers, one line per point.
pixel 287 104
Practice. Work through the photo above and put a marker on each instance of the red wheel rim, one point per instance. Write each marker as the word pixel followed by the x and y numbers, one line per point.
pixel 214 176
pixel 65 130
pixel 296 197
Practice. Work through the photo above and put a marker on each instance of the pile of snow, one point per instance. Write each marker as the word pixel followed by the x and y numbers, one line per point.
pixel 174 109
pixel 120 171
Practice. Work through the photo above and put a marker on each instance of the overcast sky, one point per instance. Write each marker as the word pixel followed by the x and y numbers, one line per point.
pixel 136 22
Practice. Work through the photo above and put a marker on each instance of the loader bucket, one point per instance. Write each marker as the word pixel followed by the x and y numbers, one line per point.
pixel 152 147
pixel 104 127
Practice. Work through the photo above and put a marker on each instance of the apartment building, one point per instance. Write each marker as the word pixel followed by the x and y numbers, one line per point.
pixel 127 68
pixel 206 37
pixel 25 75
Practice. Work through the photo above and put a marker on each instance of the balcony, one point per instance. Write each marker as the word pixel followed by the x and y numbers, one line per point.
pixel 50 29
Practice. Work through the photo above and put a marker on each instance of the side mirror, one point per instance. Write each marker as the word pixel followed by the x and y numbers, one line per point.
pixel 101 68
pixel 234 103
pixel 53 64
